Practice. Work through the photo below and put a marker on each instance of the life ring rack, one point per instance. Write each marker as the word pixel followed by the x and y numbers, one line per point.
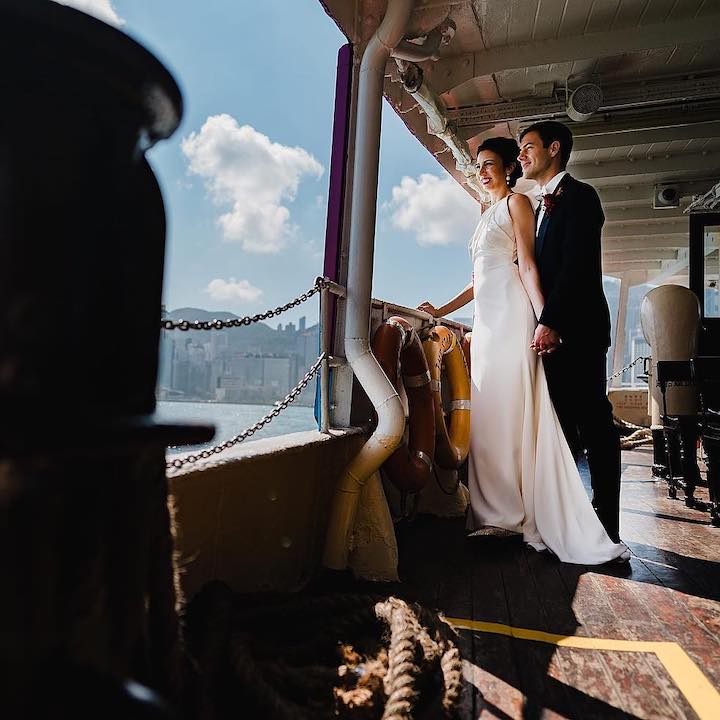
pixel 452 438
pixel 398 349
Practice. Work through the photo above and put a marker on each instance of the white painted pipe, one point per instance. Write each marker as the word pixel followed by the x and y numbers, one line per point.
pixel 438 124
pixel 391 417
pixel 429 50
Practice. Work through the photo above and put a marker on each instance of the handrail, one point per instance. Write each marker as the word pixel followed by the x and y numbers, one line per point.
pixel 431 320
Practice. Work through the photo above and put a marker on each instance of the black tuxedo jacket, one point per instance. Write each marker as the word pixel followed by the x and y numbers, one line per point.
pixel 568 255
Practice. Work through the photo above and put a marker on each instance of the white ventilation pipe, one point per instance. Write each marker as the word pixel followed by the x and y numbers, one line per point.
pixel 438 124
pixel 429 49
pixel 391 417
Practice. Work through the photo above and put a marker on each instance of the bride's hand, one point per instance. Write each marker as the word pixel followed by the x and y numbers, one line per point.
pixel 429 308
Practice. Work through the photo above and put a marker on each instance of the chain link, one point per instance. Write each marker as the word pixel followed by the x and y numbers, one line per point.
pixel 216 324
pixel 627 367
pixel 280 405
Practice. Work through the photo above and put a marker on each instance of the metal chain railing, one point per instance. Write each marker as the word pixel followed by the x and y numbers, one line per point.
pixel 627 367
pixel 280 405
pixel 216 324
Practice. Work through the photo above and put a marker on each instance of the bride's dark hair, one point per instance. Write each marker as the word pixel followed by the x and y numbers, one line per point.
pixel 508 151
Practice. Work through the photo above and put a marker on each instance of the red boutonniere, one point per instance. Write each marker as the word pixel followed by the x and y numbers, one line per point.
pixel 551 200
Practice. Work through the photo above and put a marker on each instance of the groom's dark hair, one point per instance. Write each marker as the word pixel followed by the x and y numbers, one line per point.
pixel 549 131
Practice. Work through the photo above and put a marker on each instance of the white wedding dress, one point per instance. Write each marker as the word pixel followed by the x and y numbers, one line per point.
pixel 522 476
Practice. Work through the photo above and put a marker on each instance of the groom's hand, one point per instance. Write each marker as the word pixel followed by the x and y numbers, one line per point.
pixel 546 340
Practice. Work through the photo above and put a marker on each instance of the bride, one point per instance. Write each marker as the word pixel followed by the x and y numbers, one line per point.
pixel 522 475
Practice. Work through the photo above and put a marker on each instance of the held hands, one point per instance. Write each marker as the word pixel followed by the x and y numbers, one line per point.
pixel 429 308
pixel 546 340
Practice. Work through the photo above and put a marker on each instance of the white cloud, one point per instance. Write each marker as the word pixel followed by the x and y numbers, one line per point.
pixel 232 290
pixel 101 9
pixel 244 169
pixel 436 209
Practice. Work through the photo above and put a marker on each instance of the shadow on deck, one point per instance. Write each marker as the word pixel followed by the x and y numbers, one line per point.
pixel 668 593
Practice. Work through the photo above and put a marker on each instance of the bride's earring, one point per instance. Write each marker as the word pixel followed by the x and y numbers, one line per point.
pixel 507 178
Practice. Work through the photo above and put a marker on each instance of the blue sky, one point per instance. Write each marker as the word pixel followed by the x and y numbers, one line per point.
pixel 245 177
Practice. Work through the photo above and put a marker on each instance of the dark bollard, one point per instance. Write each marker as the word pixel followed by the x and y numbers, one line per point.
pixel 85 546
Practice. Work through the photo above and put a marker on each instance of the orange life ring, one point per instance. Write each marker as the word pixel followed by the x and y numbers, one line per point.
pixel 452 443
pixel 397 348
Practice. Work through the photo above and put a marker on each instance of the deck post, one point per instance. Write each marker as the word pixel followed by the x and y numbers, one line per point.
pixel 367 370
pixel 619 348
pixel 325 320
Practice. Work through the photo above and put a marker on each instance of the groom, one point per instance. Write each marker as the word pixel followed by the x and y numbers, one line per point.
pixel 573 334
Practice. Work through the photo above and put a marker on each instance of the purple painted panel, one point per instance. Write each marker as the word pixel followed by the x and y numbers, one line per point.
pixel 336 194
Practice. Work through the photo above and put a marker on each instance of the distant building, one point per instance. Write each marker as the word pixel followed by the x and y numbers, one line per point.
pixel 251 364
pixel 254 379
pixel 276 374
pixel 165 361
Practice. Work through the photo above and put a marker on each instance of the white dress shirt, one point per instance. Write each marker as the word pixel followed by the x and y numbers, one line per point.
pixel 548 190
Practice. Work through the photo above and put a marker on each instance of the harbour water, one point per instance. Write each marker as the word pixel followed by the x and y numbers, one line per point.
pixel 230 419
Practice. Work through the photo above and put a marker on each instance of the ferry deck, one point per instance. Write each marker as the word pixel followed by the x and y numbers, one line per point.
pixel 542 638
pixel 546 639
pixel 88 541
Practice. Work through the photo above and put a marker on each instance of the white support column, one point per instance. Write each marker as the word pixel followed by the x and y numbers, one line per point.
pixel 619 348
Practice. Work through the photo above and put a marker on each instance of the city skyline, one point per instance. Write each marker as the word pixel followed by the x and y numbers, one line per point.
pixel 253 364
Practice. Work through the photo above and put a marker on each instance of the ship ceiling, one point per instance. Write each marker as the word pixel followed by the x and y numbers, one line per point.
pixel 512 62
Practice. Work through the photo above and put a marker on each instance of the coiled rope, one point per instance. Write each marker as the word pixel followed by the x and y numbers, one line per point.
pixel 312 657
pixel 411 648
pixel 631 435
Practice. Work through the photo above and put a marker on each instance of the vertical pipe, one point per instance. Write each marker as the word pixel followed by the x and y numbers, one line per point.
pixel 325 367
pixel 391 417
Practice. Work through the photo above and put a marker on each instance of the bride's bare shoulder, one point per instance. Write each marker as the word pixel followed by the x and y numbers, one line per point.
pixel 519 200
pixel 520 203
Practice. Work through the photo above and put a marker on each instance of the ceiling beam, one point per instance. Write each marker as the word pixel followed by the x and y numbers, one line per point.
pixel 589 135
pixel 637 255
pixel 662 278
pixel 452 70
pixel 672 226
pixel 663 164
pixel 645 136
pixel 527 109
pixel 634 242
pixel 644 118
pixel 612 268
pixel 625 193
pixel 671 269
pixel 643 213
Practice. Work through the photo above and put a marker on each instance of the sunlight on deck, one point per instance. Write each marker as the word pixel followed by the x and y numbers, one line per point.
pixel 697 689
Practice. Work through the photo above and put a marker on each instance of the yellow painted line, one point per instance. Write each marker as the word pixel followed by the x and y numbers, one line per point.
pixel 698 690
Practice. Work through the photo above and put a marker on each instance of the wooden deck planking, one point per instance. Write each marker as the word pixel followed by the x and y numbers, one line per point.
pixel 493 654
pixel 669 592
pixel 526 609
pixel 641 692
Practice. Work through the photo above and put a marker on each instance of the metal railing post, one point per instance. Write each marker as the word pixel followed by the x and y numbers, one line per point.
pixel 325 367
